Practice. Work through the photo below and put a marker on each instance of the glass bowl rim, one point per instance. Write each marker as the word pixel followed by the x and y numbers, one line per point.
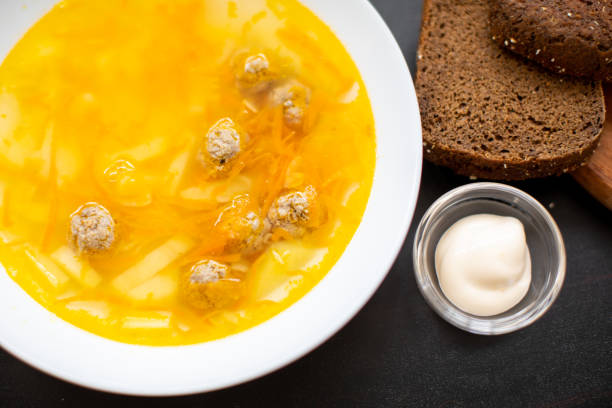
pixel 446 309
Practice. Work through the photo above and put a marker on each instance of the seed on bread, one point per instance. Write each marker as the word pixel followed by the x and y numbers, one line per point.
pixel 490 114
pixel 566 36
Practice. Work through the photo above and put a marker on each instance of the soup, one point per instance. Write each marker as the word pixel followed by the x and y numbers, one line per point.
pixel 174 172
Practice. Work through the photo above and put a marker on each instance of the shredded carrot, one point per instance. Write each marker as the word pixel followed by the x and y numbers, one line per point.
pixel 229 258
pixel 277 183
pixel 277 128
pixel 206 247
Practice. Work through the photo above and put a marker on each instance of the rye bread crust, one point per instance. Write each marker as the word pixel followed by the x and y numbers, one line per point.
pixel 487 113
pixel 571 37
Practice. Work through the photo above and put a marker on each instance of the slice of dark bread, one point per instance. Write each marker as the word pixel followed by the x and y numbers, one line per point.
pixel 571 37
pixel 488 113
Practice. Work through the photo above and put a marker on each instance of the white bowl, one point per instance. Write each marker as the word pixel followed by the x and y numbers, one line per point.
pixel 48 343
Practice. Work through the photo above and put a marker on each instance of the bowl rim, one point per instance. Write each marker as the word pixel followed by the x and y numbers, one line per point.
pixel 42 340
pixel 441 305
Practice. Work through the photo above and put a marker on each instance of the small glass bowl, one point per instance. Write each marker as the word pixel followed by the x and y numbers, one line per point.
pixel 543 238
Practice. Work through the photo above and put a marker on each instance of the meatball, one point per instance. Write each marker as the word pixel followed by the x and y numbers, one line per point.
pixel 295 212
pixel 222 145
pixel 92 229
pixel 241 225
pixel 208 285
pixel 294 98
pixel 208 271
pixel 253 73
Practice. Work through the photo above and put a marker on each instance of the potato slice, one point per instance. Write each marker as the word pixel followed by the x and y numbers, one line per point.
pixel 2 202
pixel 76 267
pixel 282 290
pixel 272 280
pixel 54 274
pixel 7 237
pixel 296 256
pixel 281 268
pixel 350 95
pixel 148 321
pixel 218 191
pixel 95 308
pixel 2 193
pixel 14 153
pixel 223 317
pixel 67 165
pixel 349 193
pixel 152 263
pixel 46 151
pixel 157 288
pixel 176 170
pixel 144 151
pixel 68 294
pixel 10 116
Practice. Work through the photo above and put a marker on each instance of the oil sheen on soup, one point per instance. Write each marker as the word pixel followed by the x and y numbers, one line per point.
pixel 175 171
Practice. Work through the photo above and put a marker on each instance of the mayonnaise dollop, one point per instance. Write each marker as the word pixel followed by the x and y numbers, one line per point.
pixel 483 264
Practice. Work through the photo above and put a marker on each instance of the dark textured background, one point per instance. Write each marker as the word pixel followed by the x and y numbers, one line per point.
pixel 398 353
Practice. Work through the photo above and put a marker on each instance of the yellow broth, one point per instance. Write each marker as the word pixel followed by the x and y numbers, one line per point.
pixel 100 84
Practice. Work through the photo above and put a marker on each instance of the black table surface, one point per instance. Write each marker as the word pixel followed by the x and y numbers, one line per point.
pixel 398 353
